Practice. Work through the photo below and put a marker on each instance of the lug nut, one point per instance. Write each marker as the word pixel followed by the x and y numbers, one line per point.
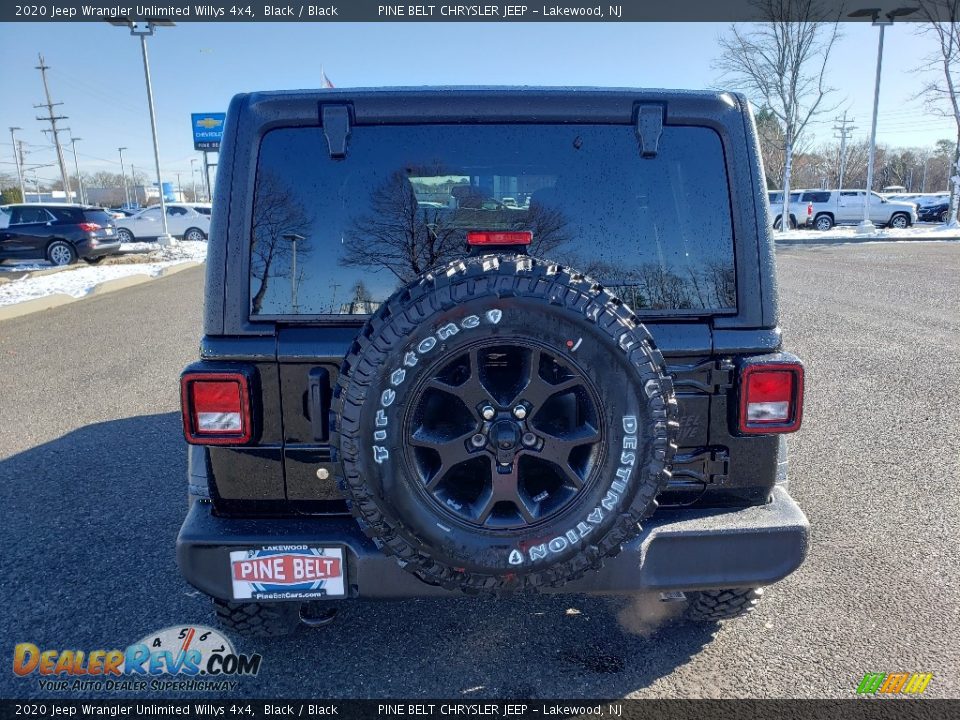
pixel 520 412
pixel 529 439
pixel 478 440
pixel 488 412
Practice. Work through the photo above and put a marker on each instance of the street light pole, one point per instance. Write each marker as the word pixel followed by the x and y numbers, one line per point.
pixel 16 157
pixel 133 187
pixel 193 178
pixel 143 33
pixel 123 174
pixel 866 226
pixel 76 165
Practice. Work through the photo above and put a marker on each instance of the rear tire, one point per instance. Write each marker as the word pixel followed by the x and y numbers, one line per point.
pixel 823 223
pixel 125 235
pixel 716 605
pixel 61 253
pixel 194 235
pixel 777 223
pixel 945 217
pixel 258 619
pixel 94 260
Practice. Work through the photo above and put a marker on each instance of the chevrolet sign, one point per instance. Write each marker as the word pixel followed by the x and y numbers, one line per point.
pixel 207 130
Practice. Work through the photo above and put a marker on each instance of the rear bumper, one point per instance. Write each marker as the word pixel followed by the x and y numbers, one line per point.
pixel 98 247
pixel 692 550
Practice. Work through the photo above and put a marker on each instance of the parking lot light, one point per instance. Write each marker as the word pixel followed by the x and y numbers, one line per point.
pixel 866 226
pixel 143 31
pixel 123 175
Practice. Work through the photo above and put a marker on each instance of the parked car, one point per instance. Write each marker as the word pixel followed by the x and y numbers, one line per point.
pixel 940 212
pixel 500 422
pixel 182 221
pixel 57 232
pixel 202 208
pixel 845 207
pixel 123 212
pixel 798 211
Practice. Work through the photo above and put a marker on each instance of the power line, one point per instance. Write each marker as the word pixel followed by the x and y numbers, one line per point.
pixel 845 132
pixel 52 119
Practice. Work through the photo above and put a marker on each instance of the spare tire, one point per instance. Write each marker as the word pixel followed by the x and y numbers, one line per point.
pixel 503 423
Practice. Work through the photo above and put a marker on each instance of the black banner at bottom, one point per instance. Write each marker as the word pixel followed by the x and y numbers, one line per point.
pixel 853 709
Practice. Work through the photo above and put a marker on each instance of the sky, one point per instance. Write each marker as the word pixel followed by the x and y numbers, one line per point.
pixel 97 73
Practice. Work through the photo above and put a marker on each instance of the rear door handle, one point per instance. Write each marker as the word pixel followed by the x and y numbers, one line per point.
pixel 319 402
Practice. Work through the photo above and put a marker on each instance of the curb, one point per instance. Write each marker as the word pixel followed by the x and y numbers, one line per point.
pixel 28 307
pixel 837 240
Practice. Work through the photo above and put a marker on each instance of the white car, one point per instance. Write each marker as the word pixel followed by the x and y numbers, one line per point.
pixel 183 221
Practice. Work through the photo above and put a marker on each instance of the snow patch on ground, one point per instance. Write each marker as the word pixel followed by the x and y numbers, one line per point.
pixel 81 279
pixel 849 234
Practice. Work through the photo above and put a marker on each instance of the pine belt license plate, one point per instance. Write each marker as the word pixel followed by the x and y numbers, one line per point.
pixel 287 572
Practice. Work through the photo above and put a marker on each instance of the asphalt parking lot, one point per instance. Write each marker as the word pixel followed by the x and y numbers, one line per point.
pixel 92 485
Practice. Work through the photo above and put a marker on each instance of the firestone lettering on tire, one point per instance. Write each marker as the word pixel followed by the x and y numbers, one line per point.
pixel 410 360
pixel 609 502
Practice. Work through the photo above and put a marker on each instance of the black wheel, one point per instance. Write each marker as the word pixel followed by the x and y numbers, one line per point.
pixel 258 619
pixel 60 252
pixel 777 224
pixel 503 423
pixel 823 223
pixel 715 605
pixel 945 216
pixel 900 221
pixel 194 235
pixel 94 260
pixel 125 235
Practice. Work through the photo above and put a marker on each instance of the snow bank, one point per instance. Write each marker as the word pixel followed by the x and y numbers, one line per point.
pixel 849 234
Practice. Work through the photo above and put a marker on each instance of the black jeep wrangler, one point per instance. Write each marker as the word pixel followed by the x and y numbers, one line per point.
pixel 409 387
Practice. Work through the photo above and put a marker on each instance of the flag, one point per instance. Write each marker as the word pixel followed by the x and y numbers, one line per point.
pixel 324 80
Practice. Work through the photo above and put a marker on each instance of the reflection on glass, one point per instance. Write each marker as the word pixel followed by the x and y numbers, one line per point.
pixel 338 237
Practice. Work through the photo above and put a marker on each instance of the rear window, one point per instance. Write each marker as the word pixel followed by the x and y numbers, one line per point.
pixel 98 216
pixel 816 197
pixel 657 231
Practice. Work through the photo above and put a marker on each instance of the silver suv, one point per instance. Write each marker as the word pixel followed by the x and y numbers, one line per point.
pixel 845 207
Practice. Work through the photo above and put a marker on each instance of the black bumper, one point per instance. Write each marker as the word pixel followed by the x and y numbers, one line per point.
pixel 691 550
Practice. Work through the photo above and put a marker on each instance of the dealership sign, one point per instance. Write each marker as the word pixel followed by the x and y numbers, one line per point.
pixel 207 130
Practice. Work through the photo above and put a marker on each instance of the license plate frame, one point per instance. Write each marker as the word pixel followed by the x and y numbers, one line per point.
pixel 288 572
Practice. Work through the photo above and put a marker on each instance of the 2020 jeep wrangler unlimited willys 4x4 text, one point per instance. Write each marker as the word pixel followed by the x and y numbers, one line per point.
pixel 488 340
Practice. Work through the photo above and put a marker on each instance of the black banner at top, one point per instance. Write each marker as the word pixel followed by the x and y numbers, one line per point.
pixel 180 11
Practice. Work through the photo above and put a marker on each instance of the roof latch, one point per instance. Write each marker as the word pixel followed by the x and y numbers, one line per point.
pixel 649 129
pixel 336 126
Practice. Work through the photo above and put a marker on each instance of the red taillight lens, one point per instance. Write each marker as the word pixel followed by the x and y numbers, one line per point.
pixel 478 237
pixel 810 210
pixel 216 408
pixel 771 398
pixel 89 227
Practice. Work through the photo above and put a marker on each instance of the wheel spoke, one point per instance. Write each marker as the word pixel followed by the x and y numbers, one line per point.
pixel 557 449
pixel 538 390
pixel 472 391
pixel 452 452
pixel 505 487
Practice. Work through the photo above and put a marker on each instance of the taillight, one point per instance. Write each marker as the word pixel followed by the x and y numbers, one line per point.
pixel 89 227
pixel 484 237
pixel 216 408
pixel 771 397
pixel 810 210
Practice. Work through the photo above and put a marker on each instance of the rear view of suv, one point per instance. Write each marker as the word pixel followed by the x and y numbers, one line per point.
pixel 59 233
pixel 400 394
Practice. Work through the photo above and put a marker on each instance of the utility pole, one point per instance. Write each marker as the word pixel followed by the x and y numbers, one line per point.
pixel 76 165
pixel 179 189
pixel 193 179
pixel 845 132
pixel 17 152
pixel 52 119
pixel 133 187
pixel 123 174
pixel 923 181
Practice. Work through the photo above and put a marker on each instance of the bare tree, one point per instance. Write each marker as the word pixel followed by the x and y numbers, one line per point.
pixel 781 64
pixel 278 218
pixel 407 238
pixel 942 23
